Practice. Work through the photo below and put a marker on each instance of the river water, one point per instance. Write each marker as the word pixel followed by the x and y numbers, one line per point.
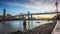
pixel 11 26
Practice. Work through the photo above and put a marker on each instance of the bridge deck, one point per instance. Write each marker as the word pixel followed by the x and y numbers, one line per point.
pixel 39 13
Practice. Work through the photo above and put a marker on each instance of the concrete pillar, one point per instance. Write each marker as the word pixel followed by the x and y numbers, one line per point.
pixel 23 16
pixel 24 22
pixel 28 21
pixel 31 21
pixel 31 15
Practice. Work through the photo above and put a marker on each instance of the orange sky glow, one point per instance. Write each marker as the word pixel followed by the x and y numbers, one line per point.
pixel 44 16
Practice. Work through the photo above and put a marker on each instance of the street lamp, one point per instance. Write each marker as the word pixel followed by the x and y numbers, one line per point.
pixel 57 9
pixel 56 6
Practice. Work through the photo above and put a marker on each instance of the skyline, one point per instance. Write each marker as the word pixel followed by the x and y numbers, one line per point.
pixel 23 6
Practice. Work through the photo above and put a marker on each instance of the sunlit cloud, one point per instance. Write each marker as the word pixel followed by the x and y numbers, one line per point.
pixel 35 5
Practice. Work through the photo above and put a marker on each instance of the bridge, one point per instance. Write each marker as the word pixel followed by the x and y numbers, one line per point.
pixel 39 13
pixel 29 15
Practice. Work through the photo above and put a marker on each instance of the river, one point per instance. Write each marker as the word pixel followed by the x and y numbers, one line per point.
pixel 11 26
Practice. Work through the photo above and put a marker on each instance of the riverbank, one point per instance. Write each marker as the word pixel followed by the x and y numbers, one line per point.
pixel 43 29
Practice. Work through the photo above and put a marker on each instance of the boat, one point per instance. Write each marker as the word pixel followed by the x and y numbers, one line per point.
pixel 37 22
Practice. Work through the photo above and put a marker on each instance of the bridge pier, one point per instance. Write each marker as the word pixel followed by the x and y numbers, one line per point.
pixel 24 22
pixel 31 15
pixel 28 20
pixel 31 21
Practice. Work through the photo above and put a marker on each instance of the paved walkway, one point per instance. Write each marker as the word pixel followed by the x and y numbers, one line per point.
pixel 57 28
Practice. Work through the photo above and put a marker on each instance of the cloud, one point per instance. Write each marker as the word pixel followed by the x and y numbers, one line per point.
pixel 35 4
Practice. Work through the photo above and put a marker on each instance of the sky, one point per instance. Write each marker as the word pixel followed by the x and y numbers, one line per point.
pixel 14 7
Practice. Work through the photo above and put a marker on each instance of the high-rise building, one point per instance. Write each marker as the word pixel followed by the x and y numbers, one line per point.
pixel 4 12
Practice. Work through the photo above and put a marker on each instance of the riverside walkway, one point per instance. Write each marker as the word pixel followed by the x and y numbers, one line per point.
pixel 57 28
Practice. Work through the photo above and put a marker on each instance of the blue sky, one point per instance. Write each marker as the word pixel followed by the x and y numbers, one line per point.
pixel 23 6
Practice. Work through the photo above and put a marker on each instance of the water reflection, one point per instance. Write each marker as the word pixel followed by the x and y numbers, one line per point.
pixel 24 24
pixel 10 26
